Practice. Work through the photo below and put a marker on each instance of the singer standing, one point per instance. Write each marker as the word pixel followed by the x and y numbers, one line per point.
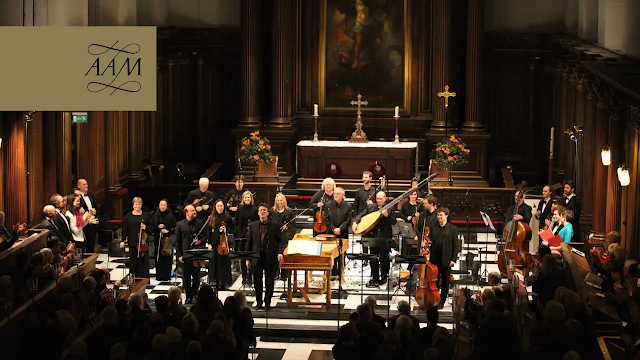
pixel 265 237
pixel 135 224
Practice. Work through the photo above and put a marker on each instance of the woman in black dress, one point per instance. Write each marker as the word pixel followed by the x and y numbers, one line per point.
pixel 164 225
pixel 132 224
pixel 220 268
pixel 281 214
pixel 247 213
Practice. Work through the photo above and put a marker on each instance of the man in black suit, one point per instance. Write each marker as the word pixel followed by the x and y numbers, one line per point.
pixel 570 201
pixel 88 203
pixel 444 250
pixel 429 216
pixel 205 195
pixel 61 221
pixel 338 218
pixel 186 230
pixel 8 237
pixel 265 237
pixel 524 210
pixel 380 235
pixel 544 207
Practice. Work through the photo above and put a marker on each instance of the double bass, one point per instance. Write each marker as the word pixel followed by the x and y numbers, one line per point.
pixel 427 293
pixel 516 234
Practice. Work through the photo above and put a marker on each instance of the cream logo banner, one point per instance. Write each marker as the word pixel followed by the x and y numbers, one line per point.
pixel 78 68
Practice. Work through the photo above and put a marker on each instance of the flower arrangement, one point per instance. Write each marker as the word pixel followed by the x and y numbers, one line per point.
pixel 451 152
pixel 255 148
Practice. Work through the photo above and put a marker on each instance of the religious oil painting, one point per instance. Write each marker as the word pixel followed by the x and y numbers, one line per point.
pixel 364 50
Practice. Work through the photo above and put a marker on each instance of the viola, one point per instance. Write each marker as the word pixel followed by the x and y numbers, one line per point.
pixel 230 203
pixel 223 246
pixel 166 251
pixel 427 293
pixel 143 245
pixel 319 225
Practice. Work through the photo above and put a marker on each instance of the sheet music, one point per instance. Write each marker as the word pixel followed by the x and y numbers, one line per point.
pixel 304 247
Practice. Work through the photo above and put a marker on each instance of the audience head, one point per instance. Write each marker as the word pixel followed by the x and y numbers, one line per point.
pixel 156 322
pixel 572 355
pixel 553 311
pixel 190 323
pixel 549 265
pixel 83 185
pixel 364 313
pixel 49 211
pixel 494 308
pixel 194 349
pixel 404 324
pixel 89 284
pixel 613 237
pixel 433 315
pixel 159 343
pixel 371 301
pixel 48 255
pixel 206 296
pixel 242 298
pixel 353 317
pixel 2 218
pixel 57 201
pixel 542 251
pixel 443 345
pixel 73 203
pixel 346 334
pixel 494 278
pixel 135 301
pixel 174 336
pixel 231 307
pixel 175 295
pixel 162 303
pixel 216 328
pixel 404 308
pixel 99 276
pixel 488 294
pixel 117 352
pixel 64 323
pixel 392 340
pixel 110 316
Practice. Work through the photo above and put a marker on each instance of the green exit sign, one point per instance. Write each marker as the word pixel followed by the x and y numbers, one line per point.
pixel 80 118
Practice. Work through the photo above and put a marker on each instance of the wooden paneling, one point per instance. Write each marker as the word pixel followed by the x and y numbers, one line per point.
pixel 36 169
pixel 15 192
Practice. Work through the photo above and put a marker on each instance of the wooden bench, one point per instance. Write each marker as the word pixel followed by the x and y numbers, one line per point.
pixel 31 244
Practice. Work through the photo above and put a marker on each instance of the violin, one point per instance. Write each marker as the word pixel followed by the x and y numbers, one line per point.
pixel 230 203
pixel 164 241
pixel 427 294
pixel 197 202
pixel 319 225
pixel 199 263
pixel 414 221
pixel 223 246
pixel 143 245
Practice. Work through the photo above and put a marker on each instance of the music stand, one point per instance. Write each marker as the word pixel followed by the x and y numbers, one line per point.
pixel 362 257
pixel 197 255
pixel 411 260
pixel 244 256
pixel 487 222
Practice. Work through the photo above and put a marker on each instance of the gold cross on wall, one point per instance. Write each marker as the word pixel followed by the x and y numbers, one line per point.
pixel 446 94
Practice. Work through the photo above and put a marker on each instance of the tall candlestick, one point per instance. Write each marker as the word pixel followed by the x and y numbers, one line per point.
pixel 315 109
pixel 551 143
pixel 397 111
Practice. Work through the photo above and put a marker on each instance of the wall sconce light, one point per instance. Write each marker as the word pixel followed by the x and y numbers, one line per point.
pixel 0 143
pixel 623 176
pixel 606 155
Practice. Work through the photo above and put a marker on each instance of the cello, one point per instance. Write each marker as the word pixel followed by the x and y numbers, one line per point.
pixel 516 233
pixel 319 225
pixel 427 293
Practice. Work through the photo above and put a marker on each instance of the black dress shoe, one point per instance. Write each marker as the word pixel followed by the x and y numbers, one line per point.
pixel 441 306
pixel 259 307
pixel 189 301
pixel 373 283
pixel 382 281
pixel 268 307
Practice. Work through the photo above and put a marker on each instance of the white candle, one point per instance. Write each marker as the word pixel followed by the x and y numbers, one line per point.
pixel 397 111
pixel 551 143
pixel 315 109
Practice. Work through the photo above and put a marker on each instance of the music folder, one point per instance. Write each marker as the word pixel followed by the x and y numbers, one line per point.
pixel 304 247
pixel 553 240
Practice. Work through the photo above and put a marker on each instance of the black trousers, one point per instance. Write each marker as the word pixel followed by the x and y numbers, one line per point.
pixel 220 270
pixel 190 278
pixel 382 262
pixel 269 268
pixel 90 233
pixel 138 266
pixel 444 272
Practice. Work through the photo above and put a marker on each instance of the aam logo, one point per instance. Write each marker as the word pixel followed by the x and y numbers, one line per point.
pixel 109 64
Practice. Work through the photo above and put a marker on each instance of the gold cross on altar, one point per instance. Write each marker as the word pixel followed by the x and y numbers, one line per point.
pixel 359 136
pixel 359 103
pixel 446 95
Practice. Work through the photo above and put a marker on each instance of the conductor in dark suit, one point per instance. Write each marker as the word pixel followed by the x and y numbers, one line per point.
pixel 444 250
pixel 265 237
pixel 186 229
pixel 88 203
pixel 382 232
pixel 524 210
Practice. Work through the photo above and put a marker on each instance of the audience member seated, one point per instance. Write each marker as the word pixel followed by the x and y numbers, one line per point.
pixel 346 348
pixel 404 309
pixel 408 337
pixel 552 339
pixel 158 348
pixel 6 296
pixel 216 345
pixel 494 279
pixel 174 342
pixel 246 317
pixel 370 332
pixel 175 311
pixel 372 302
pixel 496 326
pixel 391 348
pixel 189 329
pixel 206 306
pixel 426 333
pixel 139 308
pixel 7 237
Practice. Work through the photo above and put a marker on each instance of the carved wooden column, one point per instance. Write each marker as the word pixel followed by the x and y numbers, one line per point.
pixel 614 190
pixel 589 154
pixel 282 80
pixel 475 31
pixel 13 147
pixel 442 10
pixel 601 171
pixel 250 70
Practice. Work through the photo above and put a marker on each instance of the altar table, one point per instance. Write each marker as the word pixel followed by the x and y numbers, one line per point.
pixel 342 159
